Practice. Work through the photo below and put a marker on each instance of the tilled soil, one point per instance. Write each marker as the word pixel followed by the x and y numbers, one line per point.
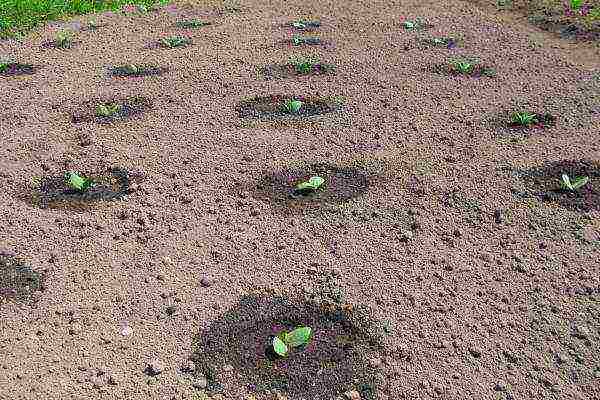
pixel 471 275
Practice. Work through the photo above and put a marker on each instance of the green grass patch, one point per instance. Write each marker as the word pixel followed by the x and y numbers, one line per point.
pixel 17 17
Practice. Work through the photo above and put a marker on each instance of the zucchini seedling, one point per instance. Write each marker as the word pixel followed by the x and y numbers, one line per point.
pixel 64 39
pixel 285 341
pixel 523 118
pixel 107 109
pixel 418 23
pixel 78 182
pixel 304 24
pixel 573 185
pixel 464 67
pixel 304 65
pixel 293 106
pixel 192 23
pixel 311 185
pixel 174 41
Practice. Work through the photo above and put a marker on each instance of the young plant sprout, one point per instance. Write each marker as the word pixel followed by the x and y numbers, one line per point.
pixel 303 24
pixel 304 65
pixel 108 109
pixel 415 24
pixel 464 67
pixel 192 23
pixel 78 182
pixel 132 69
pixel 293 106
pixel 284 341
pixel 575 184
pixel 174 41
pixel 523 118
pixel 311 185
pixel 64 39
pixel 4 66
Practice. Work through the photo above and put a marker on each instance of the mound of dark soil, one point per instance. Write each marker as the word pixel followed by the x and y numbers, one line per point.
pixel 271 106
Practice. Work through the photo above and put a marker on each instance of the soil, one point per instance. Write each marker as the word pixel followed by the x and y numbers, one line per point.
pixel 139 71
pixel 282 71
pixel 481 280
pixel 13 69
pixel 129 107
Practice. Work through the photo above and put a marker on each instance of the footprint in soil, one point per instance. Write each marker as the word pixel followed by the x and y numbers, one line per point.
pixel 333 361
pixel 544 183
pixel 18 281
pixel 341 184
pixel 54 192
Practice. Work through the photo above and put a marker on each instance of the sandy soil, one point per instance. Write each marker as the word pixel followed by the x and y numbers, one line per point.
pixel 439 262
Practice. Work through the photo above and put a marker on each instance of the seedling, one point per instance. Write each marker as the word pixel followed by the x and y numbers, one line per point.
pixel 285 341
pixel 174 41
pixel 416 24
pixel 4 65
pixel 93 24
pixel 298 40
pixel 464 67
pixel 523 118
pixel 131 69
pixel 108 109
pixel 64 39
pixel 575 184
pixel 311 185
pixel 78 182
pixel 304 65
pixel 304 24
pixel 192 23
pixel 293 106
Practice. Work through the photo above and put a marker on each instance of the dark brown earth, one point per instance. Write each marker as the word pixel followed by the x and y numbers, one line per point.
pixel 439 261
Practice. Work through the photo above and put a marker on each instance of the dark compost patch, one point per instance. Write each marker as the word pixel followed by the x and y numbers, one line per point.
pixel 121 71
pixel 342 184
pixel 445 42
pixel 303 25
pixel 544 121
pixel 109 185
pixel 335 360
pixel 128 107
pixel 298 41
pixel 273 106
pixel 14 69
pixel 544 183
pixel 567 28
pixel 477 71
pixel 18 281
pixel 54 44
pixel 289 70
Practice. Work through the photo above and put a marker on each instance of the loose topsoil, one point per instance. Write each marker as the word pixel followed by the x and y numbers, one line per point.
pixel 469 275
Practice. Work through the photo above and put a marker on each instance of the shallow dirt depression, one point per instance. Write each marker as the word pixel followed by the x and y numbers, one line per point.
pixel 342 184
pixel 334 362
pixel 53 191
pixel 18 281
pixel 544 182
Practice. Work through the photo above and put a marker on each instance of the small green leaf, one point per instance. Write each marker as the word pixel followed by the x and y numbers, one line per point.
pixel 78 182
pixel 299 336
pixel 316 181
pixel 580 182
pixel 293 106
pixel 280 347
pixel 566 182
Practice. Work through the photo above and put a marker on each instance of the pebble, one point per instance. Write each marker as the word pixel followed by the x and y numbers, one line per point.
pixel 205 282
pixel 75 328
pixel 227 368
pixel 352 395
pixel 155 367
pixel 581 331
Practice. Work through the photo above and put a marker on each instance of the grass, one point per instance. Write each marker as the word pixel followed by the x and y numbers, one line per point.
pixel 18 17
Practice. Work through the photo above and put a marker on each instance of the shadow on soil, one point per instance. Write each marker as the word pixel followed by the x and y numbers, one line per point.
pixel 342 184
pixel 335 361
pixel 54 192
pixel 274 106
pixel 118 109
pixel 16 69
pixel 544 183
pixel 18 281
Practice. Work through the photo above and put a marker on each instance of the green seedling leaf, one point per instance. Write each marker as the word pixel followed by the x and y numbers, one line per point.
pixel 293 106
pixel 299 24
pixel 575 184
pixel 78 182
pixel 298 337
pixel 297 40
pixel 576 4
pixel 523 118
pixel 565 182
pixel 3 66
pixel 313 183
pixel 579 182
pixel 107 110
pixel 280 347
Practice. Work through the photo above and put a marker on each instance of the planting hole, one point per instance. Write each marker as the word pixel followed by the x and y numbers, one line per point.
pixel 273 106
pixel 18 281
pixel 111 110
pixel 14 69
pixel 137 70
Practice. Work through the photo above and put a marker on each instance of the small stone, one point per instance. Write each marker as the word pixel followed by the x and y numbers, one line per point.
pixel 199 382
pixel 475 351
pixel 75 328
pixel 227 368
pixel 581 331
pixel 205 282
pixel 405 236
pixel 352 395
pixel 167 261
pixel 155 367
pixel 171 310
